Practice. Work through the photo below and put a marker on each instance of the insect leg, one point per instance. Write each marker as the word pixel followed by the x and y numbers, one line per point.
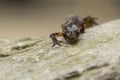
pixel 54 36
pixel 95 22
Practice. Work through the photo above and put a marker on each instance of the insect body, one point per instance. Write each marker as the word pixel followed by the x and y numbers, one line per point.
pixel 71 29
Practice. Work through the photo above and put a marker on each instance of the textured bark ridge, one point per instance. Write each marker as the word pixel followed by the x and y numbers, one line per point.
pixel 95 57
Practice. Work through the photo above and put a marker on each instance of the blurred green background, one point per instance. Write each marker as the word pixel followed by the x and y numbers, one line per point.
pixel 24 18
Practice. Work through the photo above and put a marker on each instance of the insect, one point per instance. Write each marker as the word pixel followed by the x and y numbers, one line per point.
pixel 72 28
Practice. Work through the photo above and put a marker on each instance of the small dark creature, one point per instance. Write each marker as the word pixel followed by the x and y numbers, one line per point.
pixel 71 29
